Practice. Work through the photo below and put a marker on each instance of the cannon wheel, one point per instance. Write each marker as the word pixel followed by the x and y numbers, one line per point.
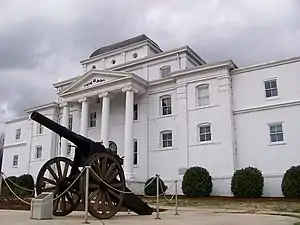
pixel 104 202
pixel 53 177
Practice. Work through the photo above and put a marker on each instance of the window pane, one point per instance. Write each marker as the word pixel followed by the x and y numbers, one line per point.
pixel 274 92
pixel 279 128
pixel 280 137
pixel 267 85
pixel 268 93
pixel 207 129
pixel 202 137
pixel 273 137
pixel 202 130
pixel 273 84
pixel 272 129
pixel 208 137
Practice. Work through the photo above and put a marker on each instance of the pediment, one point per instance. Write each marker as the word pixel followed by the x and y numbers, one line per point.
pixel 95 77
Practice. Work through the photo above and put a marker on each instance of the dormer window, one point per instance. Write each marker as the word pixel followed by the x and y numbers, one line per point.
pixel 165 71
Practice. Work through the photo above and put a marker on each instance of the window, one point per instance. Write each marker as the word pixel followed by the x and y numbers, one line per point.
pixel 18 134
pixel 271 88
pixel 276 132
pixel 69 150
pixel 70 122
pixel 135 158
pixel 38 153
pixel 165 71
pixel 135 111
pixel 15 160
pixel 204 132
pixel 203 94
pixel 92 119
pixel 166 138
pixel 166 105
pixel 39 128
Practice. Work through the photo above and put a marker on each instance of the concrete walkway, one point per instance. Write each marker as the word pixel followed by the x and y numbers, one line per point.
pixel 189 217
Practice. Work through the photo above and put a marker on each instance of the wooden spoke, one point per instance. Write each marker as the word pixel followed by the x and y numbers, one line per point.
pixel 49 181
pixel 58 166
pixel 55 172
pixel 103 202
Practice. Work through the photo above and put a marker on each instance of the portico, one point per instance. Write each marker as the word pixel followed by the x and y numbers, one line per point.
pixel 100 87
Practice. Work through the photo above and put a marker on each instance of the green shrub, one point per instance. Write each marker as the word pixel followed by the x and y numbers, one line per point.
pixel 26 181
pixel 290 185
pixel 247 182
pixel 150 188
pixel 197 182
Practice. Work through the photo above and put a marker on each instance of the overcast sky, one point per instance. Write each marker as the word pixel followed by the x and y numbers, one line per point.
pixel 42 42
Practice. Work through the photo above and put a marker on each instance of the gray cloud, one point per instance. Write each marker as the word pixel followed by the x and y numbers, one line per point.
pixel 41 42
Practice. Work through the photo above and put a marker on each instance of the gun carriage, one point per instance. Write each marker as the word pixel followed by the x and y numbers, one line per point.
pixel 58 173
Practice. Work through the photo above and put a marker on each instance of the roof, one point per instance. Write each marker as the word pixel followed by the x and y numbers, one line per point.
pixel 121 44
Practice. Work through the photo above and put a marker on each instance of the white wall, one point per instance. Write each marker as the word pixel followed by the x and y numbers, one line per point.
pixel 248 87
pixel 16 147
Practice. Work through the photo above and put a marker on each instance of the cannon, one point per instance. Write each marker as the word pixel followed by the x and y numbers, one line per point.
pixel 58 173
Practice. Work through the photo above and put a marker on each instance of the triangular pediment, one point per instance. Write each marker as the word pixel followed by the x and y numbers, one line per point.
pixel 95 77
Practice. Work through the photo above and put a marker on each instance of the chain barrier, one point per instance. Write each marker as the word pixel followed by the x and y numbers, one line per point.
pixel 159 184
pixel 26 189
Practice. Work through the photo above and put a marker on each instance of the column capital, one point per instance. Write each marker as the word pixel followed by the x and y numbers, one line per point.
pixel 104 94
pixel 130 88
pixel 63 104
pixel 84 99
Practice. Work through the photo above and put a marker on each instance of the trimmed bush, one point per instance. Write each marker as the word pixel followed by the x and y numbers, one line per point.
pixel 290 185
pixel 150 188
pixel 26 181
pixel 197 182
pixel 247 182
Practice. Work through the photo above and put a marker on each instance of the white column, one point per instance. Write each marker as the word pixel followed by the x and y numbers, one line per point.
pixel 65 123
pixel 105 118
pixel 128 150
pixel 84 116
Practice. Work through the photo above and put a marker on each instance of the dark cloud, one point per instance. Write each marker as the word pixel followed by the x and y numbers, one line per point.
pixel 41 42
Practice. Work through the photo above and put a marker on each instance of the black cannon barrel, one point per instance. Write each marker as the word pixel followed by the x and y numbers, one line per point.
pixel 76 139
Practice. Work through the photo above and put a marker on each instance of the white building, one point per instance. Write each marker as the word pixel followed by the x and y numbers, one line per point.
pixel 166 111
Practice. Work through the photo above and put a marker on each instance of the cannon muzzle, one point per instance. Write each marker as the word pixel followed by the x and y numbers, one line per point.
pixel 76 139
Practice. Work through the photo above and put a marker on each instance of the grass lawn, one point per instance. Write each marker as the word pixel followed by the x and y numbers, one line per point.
pixel 260 204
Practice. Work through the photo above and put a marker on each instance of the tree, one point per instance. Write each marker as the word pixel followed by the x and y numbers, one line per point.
pixel 1 149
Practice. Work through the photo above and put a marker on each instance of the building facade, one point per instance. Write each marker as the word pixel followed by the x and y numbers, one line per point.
pixel 166 111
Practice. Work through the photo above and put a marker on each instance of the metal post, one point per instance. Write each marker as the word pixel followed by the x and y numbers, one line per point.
pixel 157 196
pixel 1 177
pixel 87 170
pixel 176 200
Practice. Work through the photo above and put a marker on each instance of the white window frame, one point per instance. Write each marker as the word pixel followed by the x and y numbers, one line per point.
pixel 92 119
pixel 70 122
pixel 39 128
pixel 165 71
pixel 37 148
pixel 276 132
pixel 206 134
pixel 135 152
pixel 15 160
pixel 165 143
pixel 18 134
pixel 203 99
pixel 270 89
pixel 168 106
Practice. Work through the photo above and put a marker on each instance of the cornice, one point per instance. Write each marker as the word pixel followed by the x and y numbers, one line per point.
pixel 265 65
pixel 41 107
pixel 16 120
pixel 14 145
pixel 266 107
